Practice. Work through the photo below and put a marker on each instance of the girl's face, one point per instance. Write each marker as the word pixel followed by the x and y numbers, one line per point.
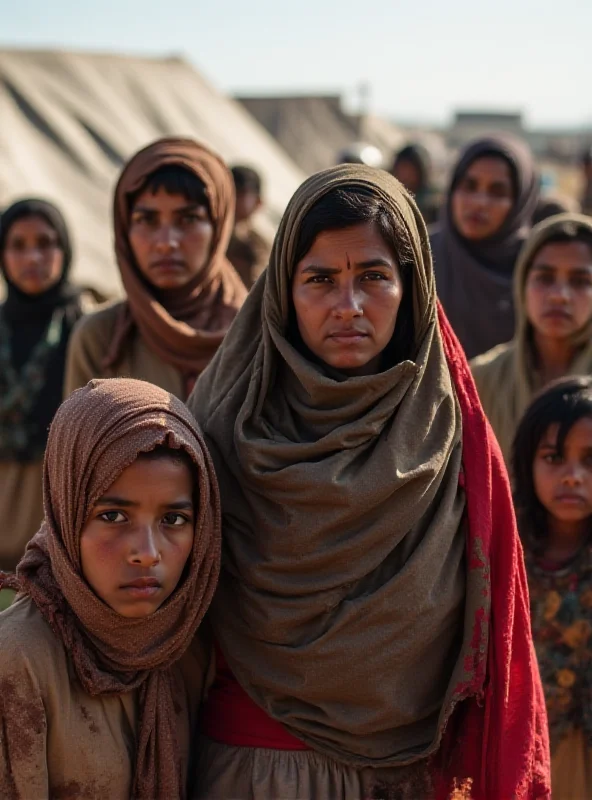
pixel 171 238
pixel 33 257
pixel 346 292
pixel 139 536
pixel 563 482
pixel 558 289
pixel 483 198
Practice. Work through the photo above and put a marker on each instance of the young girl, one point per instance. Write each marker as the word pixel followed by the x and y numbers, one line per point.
pixel 553 488
pixel 94 700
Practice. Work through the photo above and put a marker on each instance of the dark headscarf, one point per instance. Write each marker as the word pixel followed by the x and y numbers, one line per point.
pixel 426 197
pixel 475 279
pixel 24 322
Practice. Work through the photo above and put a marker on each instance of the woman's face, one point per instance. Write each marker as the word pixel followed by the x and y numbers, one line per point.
pixel 33 257
pixel 563 482
pixel 483 198
pixel 409 174
pixel 346 292
pixel 558 289
pixel 139 536
pixel 171 238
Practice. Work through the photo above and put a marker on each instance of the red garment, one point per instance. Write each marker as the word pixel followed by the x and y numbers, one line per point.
pixel 501 740
pixel 231 717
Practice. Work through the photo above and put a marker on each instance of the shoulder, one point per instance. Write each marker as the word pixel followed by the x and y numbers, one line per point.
pixel 93 333
pixel 28 646
pixel 492 367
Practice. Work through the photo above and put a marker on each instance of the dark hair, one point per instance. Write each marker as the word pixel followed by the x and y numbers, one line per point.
pixel 174 179
pixel 357 205
pixel 563 402
pixel 246 179
pixel 164 453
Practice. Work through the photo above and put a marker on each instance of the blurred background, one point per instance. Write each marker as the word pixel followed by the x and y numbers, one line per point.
pixel 286 88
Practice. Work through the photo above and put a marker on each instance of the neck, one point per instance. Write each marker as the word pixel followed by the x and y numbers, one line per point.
pixel 565 539
pixel 554 356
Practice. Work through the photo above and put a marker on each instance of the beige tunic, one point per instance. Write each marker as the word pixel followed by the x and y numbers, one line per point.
pixel 56 741
pixel 89 344
pixel 21 508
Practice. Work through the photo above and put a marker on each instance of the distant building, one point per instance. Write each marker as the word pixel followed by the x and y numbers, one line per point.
pixel 469 125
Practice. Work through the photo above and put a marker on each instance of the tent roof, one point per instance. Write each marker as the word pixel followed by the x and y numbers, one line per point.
pixel 70 120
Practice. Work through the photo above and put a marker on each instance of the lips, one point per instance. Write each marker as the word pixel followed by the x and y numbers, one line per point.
pixel 168 265
pixel 557 314
pixel 571 499
pixel 142 588
pixel 349 335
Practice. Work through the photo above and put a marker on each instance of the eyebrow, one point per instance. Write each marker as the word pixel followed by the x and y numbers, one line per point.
pixel 550 268
pixel 122 502
pixel 369 264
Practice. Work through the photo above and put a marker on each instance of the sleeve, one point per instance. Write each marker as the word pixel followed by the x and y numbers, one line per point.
pixel 23 734
pixel 84 357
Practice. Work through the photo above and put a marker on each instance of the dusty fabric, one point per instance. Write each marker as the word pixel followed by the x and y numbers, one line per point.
pixel 31 362
pixel 248 252
pixel 427 197
pixel 98 432
pixel 57 740
pixel 475 278
pixel 90 341
pixel 342 505
pixel 184 326
pixel 507 377
pixel 21 508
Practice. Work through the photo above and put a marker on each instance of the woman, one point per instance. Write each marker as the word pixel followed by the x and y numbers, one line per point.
pixel 413 166
pixel 173 216
pixel 553 300
pixel 359 652
pixel 95 699
pixel 36 321
pixel 486 218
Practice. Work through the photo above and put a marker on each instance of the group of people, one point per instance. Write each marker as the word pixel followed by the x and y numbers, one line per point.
pixel 260 530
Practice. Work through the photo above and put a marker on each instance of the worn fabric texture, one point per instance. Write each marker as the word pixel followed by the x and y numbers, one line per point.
pixel 97 433
pixel 183 327
pixel 352 605
pixel 21 508
pixel 59 741
pixel 507 377
pixel 475 278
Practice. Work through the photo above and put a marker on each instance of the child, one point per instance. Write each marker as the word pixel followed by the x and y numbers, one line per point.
pixel 248 252
pixel 553 493
pixel 94 701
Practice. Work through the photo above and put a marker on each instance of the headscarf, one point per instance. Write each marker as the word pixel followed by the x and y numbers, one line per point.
pixel 183 327
pixel 25 322
pixel 98 432
pixel 425 196
pixel 512 366
pixel 475 278
pixel 343 607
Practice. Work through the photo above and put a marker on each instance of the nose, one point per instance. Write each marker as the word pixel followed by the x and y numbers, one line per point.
pixel 348 303
pixel 167 238
pixel 560 292
pixel 573 475
pixel 144 551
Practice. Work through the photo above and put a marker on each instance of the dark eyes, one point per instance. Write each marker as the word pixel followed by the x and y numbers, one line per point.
pixel 172 519
pixel 367 276
pixel 577 281
pixel 44 243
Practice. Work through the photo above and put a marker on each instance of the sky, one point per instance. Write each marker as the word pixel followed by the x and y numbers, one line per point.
pixel 421 59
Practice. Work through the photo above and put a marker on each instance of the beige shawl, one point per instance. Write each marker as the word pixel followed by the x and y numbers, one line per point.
pixel 506 376
pixel 343 587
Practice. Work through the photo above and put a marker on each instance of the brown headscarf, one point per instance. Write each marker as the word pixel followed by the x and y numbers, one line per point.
pixel 98 432
pixel 343 589
pixel 507 376
pixel 184 327
pixel 475 278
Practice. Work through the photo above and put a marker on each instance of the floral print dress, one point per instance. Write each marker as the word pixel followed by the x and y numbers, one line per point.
pixel 561 608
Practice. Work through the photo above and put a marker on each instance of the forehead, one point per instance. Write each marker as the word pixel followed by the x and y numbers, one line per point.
pixel 162 200
pixel 580 434
pixel 491 168
pixel 165 470
pixel 354 241
pixel 32 224
pixel 564 255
